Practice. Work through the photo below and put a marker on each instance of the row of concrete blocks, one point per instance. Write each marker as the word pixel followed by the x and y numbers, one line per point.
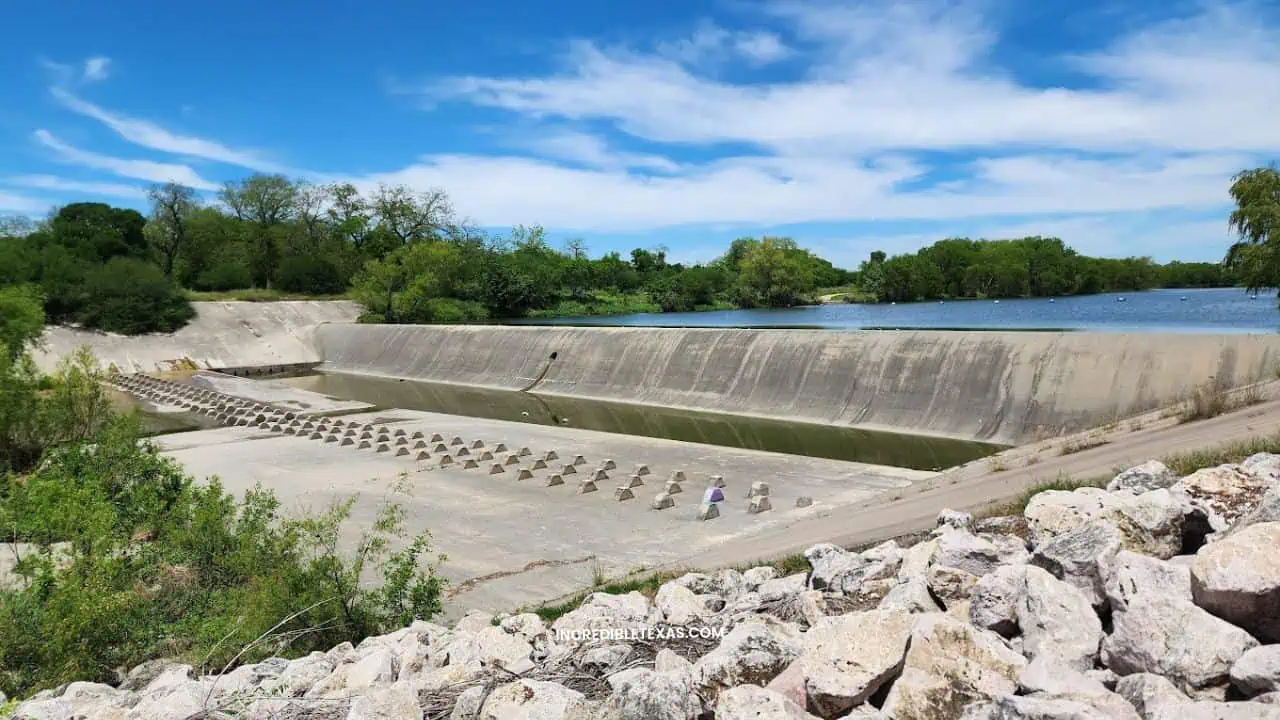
pixel 225 409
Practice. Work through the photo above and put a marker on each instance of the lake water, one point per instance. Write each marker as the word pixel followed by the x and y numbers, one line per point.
pixel 1211 310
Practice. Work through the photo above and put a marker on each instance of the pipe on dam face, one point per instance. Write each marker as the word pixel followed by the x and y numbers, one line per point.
pixel 1003 387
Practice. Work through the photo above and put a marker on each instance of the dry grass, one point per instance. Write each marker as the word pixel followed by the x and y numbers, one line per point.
pixel 1062 482
pixel 1213 398
pixel 1232 452
pixel 1076 445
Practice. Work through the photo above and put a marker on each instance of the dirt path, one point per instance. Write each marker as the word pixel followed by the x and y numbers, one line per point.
pixel 982 483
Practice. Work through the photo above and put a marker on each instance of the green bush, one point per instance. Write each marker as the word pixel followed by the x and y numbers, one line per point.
pixel 311 275
pixel 133 297
pixel 224 276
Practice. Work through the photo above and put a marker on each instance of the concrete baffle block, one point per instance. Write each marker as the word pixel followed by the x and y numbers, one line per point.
pixel 365 445
pixel 554 479
pixel 758 488
pixel 524 474
pixel 330 438
pixel 456 440
pixel 402 441
pixel 642 470
pixel 672 488
pixel 437 437
pixel 496 468
pixel 635 481
pixel 264 425
pixel 366 435
pixel 316 436
pixel 291 430
pixel 662 501
pixel 716 481
pixel 290 416
pixel 346 441
pixel 383 429
pixel 551 455
pixel 500 448
pixel 708 511
pixel 804 501
pixel 308 425
pixel 579 460
pixel 420 445
pixel 417 435
pixel 383 447
pixel 400 433
pixel 512 460
pixel 608 464
pixel 402 451
pixel 477 444
pixel 524 452
pixel 323 427
pixel 242 422
pixel 222 418
pixel 424 455
pixel 470 464
pixel 623 493
pixel 441 447
pixel 463 452
pixel 446 460
pixel 759 504
pixel 276 428
pixel 599 475
pixel 569 470
pixel 586 486
pixel 383 437
pixel 539 464
pixel 338 423
pixel 349 432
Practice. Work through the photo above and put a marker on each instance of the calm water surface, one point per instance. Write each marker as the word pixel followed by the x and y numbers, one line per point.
pixel 1212 310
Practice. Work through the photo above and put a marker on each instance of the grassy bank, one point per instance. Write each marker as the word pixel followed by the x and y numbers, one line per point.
pixel 256 295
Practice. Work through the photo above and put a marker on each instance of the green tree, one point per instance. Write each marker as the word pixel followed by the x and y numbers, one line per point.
pixel 131 297
pixel 1256 219
pixel 775 272
pixel 172 206
pixel 265 203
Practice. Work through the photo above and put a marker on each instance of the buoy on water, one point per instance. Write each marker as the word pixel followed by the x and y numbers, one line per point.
pixel 1051 300
pixel 1183 298
pixel 997 302
pixel 1120 299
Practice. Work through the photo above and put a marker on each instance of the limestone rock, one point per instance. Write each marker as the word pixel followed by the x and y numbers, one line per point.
pixel 754 652
pixel 142 675
pixel 837 570
pixel 1151 475
pixel 1257 671
pixel 533 700
pixel 644 694
pixel 1238 579
pixel 748 702
pixel 790 684
pixel 1155 698
pixel 602 610
pixel 847 658
pixel 978 554
pixel 910 596
pixel 296 709
pixel 957 519
pixel 474 622
pixel 1152 523
pixel 1057 621
pixel 951 585
pixel 1075 556
pixel 605 657
pixel 948 665
pixel 301 675
pixel 1267 510
pixel 1127 575
pixel 668 660
pixel 1173 638
pixel 727 583
pixel 1223 493
pixel 1045 679
pixel 782 587
pixel 753 578
pixel 995 598
pixel 677 605
pixel 396 702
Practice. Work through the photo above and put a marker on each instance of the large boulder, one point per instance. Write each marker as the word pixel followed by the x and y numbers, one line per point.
pixel 1152 523
pixel 1237 578
pixel 678 605
pixel 1127 575
pixel 1057 622
pixel 1048 680
pixel 644 694
pixel 948 665
pixel 1155 698
pixel 994 600
pixel 754 652
pixel 847 658
pixel 748 702
pixel 533 700
pixel 1150 475
pixel 602 611
pixel 1173 638
pixel 396 702
pixel 1257 671
pixel 978 554
pixel 836 570
pixel 1075 556
pixel 1223 493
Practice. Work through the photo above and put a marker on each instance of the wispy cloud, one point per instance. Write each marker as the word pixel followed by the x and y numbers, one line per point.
pixel 711 45
pixel 52 182
pixel 592 151
pixel 96 69
pixel 154 137
pixel 14 203
pixel 139 169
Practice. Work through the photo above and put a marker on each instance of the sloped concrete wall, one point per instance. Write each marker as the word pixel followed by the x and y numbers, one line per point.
pixel 996 386
pixel 223 334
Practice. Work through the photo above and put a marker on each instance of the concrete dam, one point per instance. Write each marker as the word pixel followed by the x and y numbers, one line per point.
pixel 1001 387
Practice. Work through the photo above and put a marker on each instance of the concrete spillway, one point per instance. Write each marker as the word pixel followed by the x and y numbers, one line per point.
pixel 1004 387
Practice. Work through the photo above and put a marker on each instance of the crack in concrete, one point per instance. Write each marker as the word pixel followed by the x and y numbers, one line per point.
pixel 535 565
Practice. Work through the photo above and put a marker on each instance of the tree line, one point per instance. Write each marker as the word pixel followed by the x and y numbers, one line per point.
pixel 407 257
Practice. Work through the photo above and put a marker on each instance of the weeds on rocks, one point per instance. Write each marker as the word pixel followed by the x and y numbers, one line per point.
pixel 1232 452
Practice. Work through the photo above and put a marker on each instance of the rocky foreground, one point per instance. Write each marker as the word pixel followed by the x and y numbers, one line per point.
pixel 1157 598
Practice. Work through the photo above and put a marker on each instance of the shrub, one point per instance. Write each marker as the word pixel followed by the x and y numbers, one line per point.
pixel 311 275
pixel 133 297
pixel 224 276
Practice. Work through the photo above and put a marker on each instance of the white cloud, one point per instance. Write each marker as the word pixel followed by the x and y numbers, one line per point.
pixel 592 151
pixel 96 69
pixel 52 182
pixel 154 137
pixel 139 169
pixel 21 204
pixel 712 45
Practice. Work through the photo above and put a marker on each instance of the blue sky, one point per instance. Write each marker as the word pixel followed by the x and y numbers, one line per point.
pixel 850 126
